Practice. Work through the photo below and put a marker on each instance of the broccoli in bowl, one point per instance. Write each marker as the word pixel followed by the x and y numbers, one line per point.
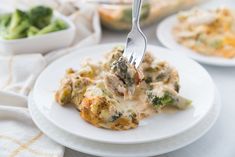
pixel 36 21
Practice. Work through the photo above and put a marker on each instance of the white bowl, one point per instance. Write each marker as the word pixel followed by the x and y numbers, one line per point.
pixel 40 44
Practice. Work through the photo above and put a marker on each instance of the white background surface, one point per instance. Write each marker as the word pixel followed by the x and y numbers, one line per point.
pixel 220 140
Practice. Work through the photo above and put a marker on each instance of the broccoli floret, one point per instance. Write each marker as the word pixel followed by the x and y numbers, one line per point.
pixel 148 80
pixel 120 68
pixel 116 116
pixel 160 77
pixel 17 18
pixel 18 25
pixel 127 13
pixel 32 31
pixel 57 25
pixel 40 16
pixel 157 102
pixel 167 99
pixel 18 32
pixel 4 22
pixel 36 21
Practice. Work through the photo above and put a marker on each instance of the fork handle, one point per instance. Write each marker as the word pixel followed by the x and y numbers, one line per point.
pixel 136 8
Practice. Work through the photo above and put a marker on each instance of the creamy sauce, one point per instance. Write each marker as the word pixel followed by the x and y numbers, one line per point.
pixel 142 108
pixel 138 103
pixel 170 109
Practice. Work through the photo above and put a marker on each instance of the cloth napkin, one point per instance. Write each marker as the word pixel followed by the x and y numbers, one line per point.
pixel 19 136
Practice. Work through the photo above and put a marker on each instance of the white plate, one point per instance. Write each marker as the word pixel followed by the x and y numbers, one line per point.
pixel 117 150
pixel 196 85
pixel 164 34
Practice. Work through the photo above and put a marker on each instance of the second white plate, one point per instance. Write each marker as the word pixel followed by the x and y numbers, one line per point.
pixel 164 34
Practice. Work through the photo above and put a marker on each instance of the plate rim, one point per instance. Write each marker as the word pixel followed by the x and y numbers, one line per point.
pixel 187 51
pixel 139 141
pixel 216 106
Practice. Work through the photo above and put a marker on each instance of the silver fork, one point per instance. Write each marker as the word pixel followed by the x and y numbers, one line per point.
pixel 136 40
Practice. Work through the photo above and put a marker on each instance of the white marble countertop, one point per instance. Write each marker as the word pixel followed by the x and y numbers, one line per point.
pixel 219 141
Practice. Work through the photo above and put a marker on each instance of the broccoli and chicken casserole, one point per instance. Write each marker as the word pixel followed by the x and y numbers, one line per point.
pixel 113 94
pixel 208 32
pixel 116 14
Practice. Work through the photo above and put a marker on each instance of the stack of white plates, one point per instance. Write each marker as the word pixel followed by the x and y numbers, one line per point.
pixel 155 135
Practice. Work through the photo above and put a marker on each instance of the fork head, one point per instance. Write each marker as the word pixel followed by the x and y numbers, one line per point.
pixel 135 47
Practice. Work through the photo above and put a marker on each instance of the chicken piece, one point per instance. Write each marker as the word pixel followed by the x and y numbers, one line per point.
pixel 114 84
pixel 89 70
pixel 197 17
pixel 63 94
pixel 123 78
pixel 161 71
pixel 147 61
pixel 72 88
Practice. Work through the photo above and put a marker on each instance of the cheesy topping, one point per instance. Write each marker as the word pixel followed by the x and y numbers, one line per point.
pixel 115 95
pixel 208 32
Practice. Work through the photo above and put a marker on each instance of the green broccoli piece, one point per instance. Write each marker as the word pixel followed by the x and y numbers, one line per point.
pixel 148 80
pixel 159 102
pixel 40 16
pixel 32 31
pixel 167 99
pixel 127 13
pixel 18 25
pixel 4 22
pixel 17 18
pixel 57 25
pixel 37 21
pixel 120 68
